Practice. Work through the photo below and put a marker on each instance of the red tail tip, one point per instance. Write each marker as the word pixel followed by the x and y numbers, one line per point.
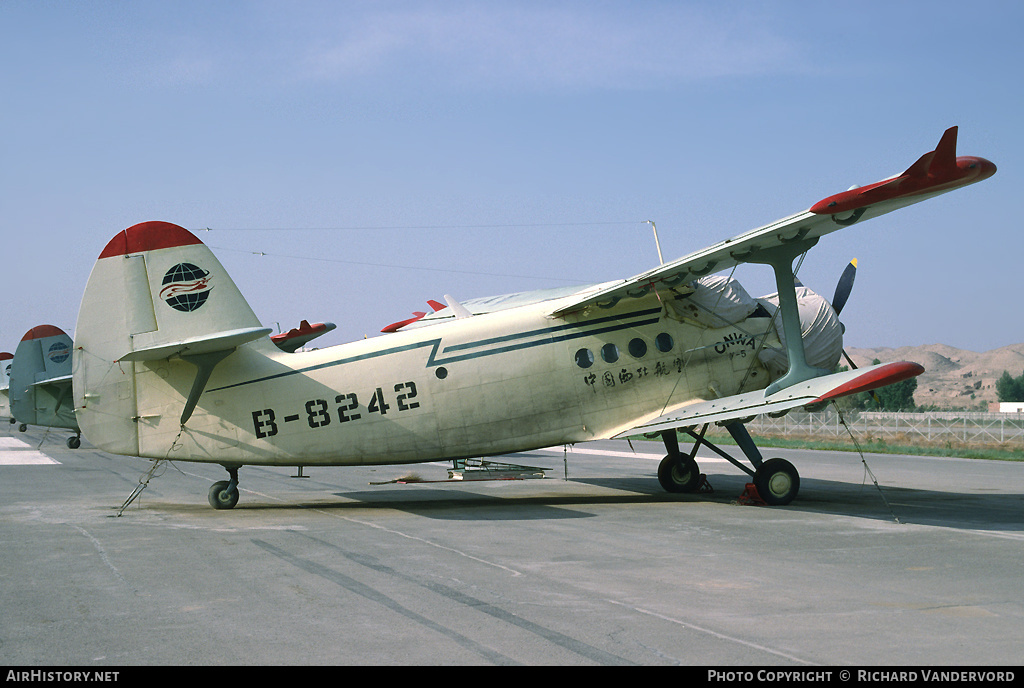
pixel 41 331
pixel 148 236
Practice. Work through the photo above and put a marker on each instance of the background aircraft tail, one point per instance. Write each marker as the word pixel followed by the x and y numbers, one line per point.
pixel 158 313
pixel 6 358
pixel 40 383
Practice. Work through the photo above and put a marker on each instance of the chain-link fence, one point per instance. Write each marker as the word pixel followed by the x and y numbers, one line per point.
pixel 965 427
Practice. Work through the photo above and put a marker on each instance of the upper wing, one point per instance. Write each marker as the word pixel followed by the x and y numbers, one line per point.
pixel 814 391
pixel 479 306
pixel 934 173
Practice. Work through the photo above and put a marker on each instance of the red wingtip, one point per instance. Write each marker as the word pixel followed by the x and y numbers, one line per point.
pixel 887 374
pixel 148 236
pixel 304 328
pixel 5 355
pixel 935 171
pixel 394 327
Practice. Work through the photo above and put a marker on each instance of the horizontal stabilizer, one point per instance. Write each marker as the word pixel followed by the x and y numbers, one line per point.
pixel 59 381
pixel 813 391
pixel 206 344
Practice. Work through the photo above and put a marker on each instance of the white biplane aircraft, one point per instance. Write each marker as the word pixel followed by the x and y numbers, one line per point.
pixel 171 363
pixel 5 376
pixel 40 382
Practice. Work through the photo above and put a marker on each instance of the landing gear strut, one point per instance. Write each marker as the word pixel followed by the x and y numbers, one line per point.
pixel 224 494
pixel 776 480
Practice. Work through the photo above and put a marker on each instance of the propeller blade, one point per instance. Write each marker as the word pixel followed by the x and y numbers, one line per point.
pixel 844 286
pixel 843 289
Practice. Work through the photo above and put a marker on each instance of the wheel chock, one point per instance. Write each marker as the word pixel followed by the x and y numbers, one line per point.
pixel 750 497
pixel 705 486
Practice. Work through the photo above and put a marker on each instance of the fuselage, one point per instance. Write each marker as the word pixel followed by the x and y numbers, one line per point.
pixel 511 380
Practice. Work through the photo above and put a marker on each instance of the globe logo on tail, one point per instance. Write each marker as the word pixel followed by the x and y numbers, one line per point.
pixel 58 352
pixel 185 287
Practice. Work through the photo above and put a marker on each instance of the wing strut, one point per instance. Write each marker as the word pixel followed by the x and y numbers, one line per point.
pixel 781 258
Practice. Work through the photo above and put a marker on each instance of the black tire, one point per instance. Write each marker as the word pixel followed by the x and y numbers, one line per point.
pixel 221 497
pixel 777 482
pixel 679 473
pixel 74 443
pixel 22 428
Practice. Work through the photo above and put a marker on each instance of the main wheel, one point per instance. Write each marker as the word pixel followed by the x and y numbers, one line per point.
pixel 679 473
pixel 221 497
pixel 777 482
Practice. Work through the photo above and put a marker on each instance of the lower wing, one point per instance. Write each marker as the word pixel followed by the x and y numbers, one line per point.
pixel 815 391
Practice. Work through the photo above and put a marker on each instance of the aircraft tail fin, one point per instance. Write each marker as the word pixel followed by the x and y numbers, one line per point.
pixel 40 379
pixel 159 312
pixel 6 357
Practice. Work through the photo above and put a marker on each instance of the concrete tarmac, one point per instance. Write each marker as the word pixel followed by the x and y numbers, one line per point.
pixel 594 565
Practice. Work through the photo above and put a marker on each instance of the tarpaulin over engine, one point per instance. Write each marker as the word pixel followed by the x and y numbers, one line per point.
pixel 822 333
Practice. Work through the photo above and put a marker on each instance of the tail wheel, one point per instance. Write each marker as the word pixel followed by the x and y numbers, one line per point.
pixel 679 473
pixel 223 495
pixel 777 482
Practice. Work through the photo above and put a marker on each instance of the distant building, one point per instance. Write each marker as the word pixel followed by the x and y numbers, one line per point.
pixel 1006 407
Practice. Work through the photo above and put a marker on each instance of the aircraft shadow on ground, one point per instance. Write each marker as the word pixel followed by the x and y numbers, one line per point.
pixel 998 512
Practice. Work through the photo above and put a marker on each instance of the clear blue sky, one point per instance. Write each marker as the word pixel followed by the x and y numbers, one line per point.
pixel 380 154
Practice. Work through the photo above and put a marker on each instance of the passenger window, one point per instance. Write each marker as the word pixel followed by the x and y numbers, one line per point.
pixel 637 348
pixel 610 353
pixel 663 342
pixel 584 358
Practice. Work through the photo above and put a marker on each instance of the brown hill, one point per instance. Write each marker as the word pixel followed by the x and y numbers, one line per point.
pixel 953 378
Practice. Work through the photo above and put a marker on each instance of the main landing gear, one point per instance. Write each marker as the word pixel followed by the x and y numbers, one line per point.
pixel 678 472
pixel 776 480
pixel 224 494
